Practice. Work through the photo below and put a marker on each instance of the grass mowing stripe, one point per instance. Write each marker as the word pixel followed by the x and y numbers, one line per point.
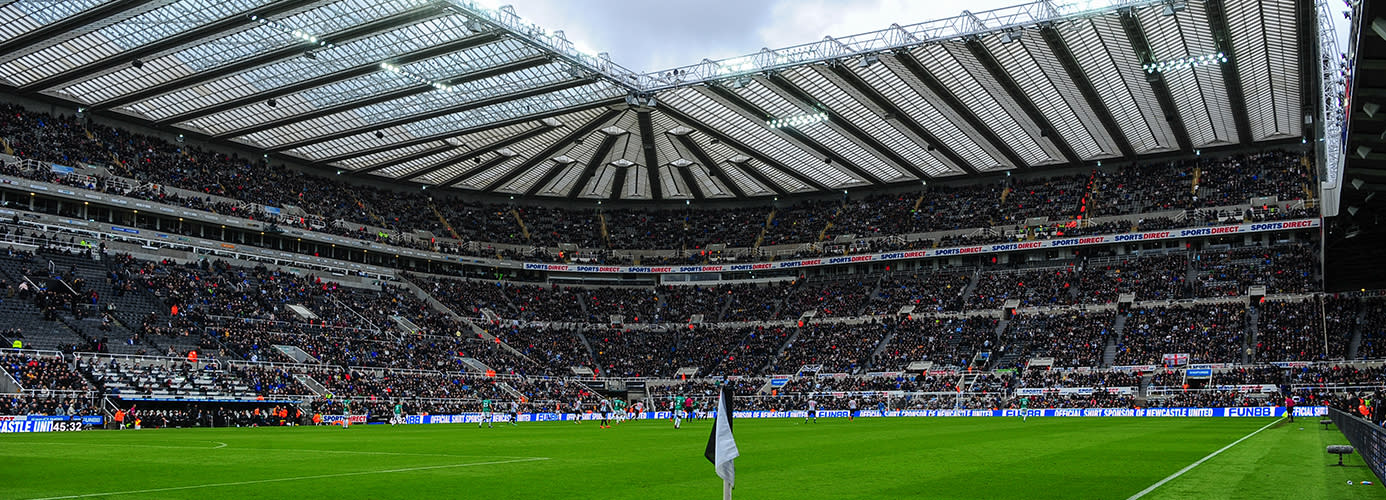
pixel 1200 461
pixel 298 478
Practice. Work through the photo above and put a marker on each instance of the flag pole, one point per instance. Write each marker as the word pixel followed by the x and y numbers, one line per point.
pixel 726 490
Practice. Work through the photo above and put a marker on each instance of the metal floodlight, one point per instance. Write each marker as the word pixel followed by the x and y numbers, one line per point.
pixel 868 60
pixel 1363 151
pixel 137 63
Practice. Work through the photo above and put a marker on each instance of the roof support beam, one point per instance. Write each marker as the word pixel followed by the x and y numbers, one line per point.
pixel 467 106
pixel 454 133
pixel 802 140
pixel 932 142
pixel 1232 80
pixel 689 181
pixel 549 151
pixel 288 52
pixel 619 182
pixel 113 11
pixel 481 166
pixel 588 170
pixel 347 74
pixel 716 168
pixel 845 126
pixel 1047 130
pixel 387 97
pixel 647 144
pixel 194 35
pixel 720 137
pixel 1084 85
pixel 927 79
pixel 478 152
pixel 1157 83
pixel 404 159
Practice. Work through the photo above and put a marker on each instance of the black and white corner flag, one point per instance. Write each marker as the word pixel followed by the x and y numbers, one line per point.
pixel 721 446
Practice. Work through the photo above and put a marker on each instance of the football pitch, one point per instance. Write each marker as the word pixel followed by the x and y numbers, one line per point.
pixel 780 458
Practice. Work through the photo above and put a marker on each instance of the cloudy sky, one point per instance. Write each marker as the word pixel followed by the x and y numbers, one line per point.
pixel 647 35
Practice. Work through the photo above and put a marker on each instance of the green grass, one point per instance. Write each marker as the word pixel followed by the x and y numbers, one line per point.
pixel 783 458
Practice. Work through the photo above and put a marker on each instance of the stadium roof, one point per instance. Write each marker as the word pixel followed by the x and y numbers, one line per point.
pixel 451 93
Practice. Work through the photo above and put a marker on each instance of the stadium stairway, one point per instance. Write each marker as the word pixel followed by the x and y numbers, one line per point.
pixel 591 354
pixel 880 347
pixel 8 384
pixel 972 284
pixel 1109 351
pixel 722 311
pixel 1356 341
pixel 434 304
pixel 311 384
pixel 1253 331
pixel 780 352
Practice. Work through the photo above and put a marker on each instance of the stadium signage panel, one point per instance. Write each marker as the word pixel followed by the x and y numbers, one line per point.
pixel 939 252
pixel 12 424
pixel 1236 412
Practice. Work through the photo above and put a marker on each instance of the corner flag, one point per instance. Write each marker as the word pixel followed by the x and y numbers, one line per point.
pixel 721 446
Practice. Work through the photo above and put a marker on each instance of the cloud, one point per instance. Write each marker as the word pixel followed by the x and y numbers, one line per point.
pixel 651 36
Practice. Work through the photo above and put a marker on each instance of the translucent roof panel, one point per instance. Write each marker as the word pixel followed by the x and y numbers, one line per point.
pixel 1199 93
pixel 150 27
pixel 1102 49
pixel 402 169
pixel 561 184
pixel 718 152
pixel 461 122
pixel 24 17
pixel 256 40
pixel 1031 64
pixel 819 82
pixel 527 149
pixel 364 53
pixel 965 78
pixel 599 185
pixel 753 134
pixel 636 185
pixel 712 187
pixel 21 18
pixel 413 105
pixel 378 158
pixel 779 106
pixel 894 82
pixel 582 154
pixel 443 68
pixel 1267 57
pixel 672 185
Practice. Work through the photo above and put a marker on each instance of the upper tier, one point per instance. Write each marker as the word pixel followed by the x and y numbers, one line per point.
pixel 1006 209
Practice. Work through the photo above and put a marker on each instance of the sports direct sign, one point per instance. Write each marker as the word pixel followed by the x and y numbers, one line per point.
pixel 941 252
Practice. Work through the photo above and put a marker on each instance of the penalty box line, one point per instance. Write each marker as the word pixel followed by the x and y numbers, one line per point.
pixel 297 478
pixel 1181 472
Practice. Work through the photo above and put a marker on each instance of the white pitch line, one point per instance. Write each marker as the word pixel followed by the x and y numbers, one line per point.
pixel 1200 461
pixel 298 478
pixel 219 445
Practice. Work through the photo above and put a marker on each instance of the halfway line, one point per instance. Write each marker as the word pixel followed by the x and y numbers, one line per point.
pixel 1200 461
pixel 299 478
